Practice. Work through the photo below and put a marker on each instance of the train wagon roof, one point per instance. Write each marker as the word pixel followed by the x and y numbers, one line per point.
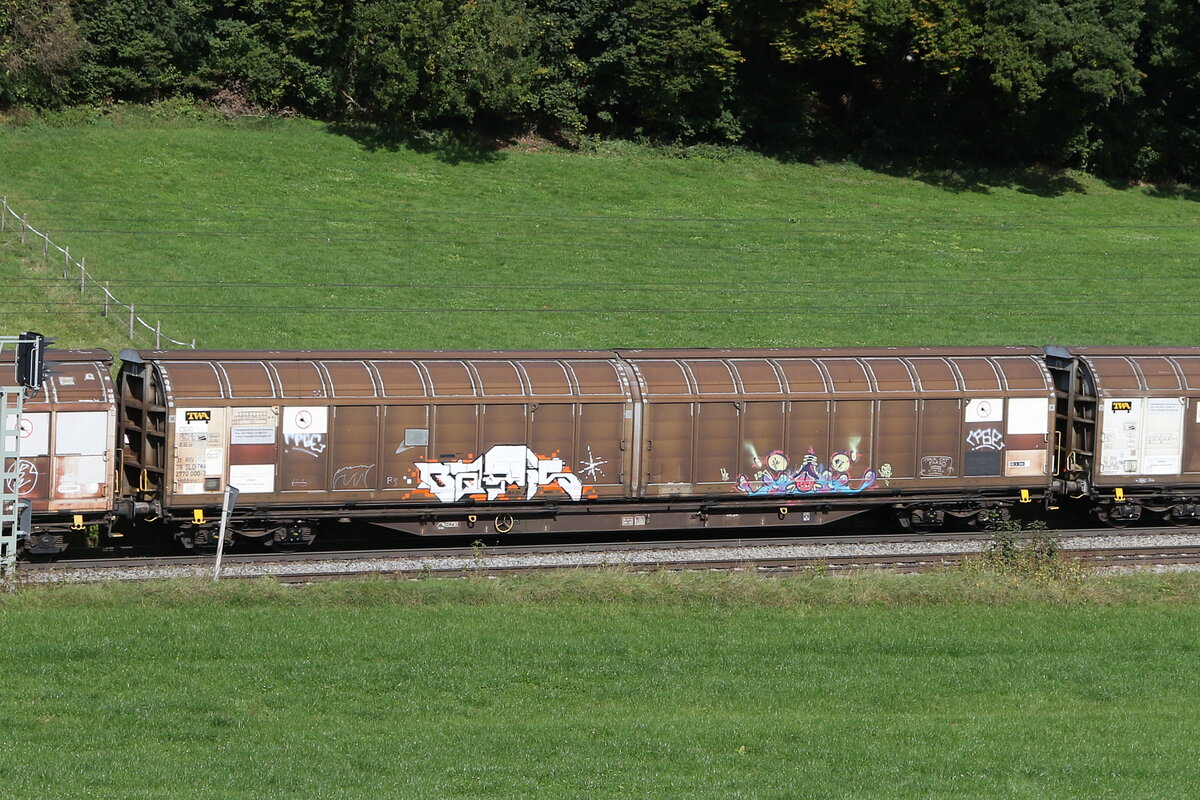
pixel 143 356
pixel 593 374
pixel 73 376
pixel 9 355
pixel 321 376
pixel 1120 370
pixel 139 356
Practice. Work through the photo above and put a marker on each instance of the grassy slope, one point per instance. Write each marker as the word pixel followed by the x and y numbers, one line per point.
pixel 346 244
pixel 603 687
pixel 25 274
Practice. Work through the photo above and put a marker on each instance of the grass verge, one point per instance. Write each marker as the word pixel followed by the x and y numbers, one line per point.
pixel 605 685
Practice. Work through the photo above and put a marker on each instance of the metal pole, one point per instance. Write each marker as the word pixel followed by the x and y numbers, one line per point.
pixel 24 225
pixel 158 335
pixel 66 259
pixel 231 495
pixel 131 318
pixel 106 298
pixel 4 215
pixel 82 273
pixel 45 247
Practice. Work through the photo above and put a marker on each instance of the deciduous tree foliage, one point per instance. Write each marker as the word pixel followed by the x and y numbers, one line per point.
pixel 1108 85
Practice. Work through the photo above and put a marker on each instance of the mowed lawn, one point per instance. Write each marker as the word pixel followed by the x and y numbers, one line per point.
pixel 293 234
pixel 610 686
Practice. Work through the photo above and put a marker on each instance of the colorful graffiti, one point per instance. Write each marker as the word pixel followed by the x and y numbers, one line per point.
pixel 781 476
pixel 495 473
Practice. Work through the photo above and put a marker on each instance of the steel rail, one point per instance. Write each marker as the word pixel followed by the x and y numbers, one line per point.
pixel 484 562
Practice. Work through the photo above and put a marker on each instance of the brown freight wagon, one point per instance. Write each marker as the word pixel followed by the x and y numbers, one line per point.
pixel 67 436
pixel 491 442
pixel 1137 431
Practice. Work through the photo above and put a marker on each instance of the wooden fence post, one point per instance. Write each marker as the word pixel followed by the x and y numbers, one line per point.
pixel 131 318
pixel 24 225
pixel 106 298
pixel 82 273
pixel 158 335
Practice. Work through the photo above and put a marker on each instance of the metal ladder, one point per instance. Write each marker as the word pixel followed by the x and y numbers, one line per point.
pixel 11 398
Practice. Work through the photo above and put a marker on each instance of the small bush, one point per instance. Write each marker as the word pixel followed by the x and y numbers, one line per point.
pixel 1038 556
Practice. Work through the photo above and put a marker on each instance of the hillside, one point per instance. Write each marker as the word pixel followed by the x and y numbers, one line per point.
pixel 291 234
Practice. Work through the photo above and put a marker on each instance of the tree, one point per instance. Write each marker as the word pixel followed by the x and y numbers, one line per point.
pixel 40 48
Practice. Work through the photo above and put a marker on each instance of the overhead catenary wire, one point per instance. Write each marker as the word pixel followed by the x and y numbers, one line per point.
pixel 799 248
pixel 84 278
pixel 1022 309
pixel 290 213
pixel 710 287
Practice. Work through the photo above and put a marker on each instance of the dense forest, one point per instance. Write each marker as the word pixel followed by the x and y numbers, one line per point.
pixel 1110 86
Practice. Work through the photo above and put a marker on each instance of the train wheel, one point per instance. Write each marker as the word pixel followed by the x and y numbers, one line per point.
pixel 989 518
pixel 201 540
pixel 922 520
pixel 45 545
pixel 1182 517
pixel 1120 515
pixel 289 538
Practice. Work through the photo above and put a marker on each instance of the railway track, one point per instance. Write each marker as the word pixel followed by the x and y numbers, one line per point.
pixel 899 553
pixel 1145 557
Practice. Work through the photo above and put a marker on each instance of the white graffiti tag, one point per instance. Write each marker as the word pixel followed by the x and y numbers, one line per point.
pixel 985 439
pixel 26 480
pixel 353 476
pixel 591 466
pixel 501 467
pixel 310 444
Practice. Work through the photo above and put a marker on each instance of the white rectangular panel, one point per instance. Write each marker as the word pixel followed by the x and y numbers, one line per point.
pixel 251 434
pixel 252 478
pixel 1028 415
pixel 1025 463
pixel 199 450
pixel 35 435
pixel 305 419
pixel 80 476
pixel 81 433
pixel 1120 435
pixel 1162 436
pixel 985 410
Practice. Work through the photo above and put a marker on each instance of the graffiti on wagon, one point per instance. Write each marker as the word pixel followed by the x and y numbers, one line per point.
pixel 511 470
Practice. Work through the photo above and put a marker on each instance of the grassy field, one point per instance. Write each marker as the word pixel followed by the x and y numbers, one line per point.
pixel 289 233
pixel 605 686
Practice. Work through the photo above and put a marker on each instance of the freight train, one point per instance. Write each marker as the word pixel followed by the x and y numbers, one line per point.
pixel 487 443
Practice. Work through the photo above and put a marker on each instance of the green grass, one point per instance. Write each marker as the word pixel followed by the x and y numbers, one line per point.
pixel 605 686
pixel 287 233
